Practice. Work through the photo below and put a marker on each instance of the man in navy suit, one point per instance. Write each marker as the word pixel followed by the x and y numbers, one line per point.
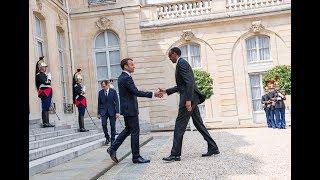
pixel 129 109
pixel 108 107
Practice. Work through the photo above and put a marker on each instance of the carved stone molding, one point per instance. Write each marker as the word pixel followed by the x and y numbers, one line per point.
pixel 60 19
pixel 39 4
pixel 103 23
pixel 256 27
pixel 187 35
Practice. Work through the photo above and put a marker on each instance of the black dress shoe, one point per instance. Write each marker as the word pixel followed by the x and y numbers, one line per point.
pixel 171 158
pixel 107 142
pixel 210 153
pixel 113 155
pixel 140 160
pixel 83 130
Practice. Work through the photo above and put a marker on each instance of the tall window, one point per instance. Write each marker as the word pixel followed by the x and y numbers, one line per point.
pixel 258 48
pixel 191 53
pixel 256 91
pixel 107 56
pixel 39 36
pixel 62 68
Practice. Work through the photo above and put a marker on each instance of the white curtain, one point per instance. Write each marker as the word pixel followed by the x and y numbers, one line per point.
pixel 195 56
pixel 184 52
pixel 264 51
pixel 251 49
pixel 38 27
pixel 256 91
pixel 100 41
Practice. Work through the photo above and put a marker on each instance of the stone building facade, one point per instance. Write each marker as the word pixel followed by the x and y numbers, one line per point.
pixel 236 41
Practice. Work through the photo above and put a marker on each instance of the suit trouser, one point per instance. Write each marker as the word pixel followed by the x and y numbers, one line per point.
pixel 104 122
pixel 131 127
pixel 181 125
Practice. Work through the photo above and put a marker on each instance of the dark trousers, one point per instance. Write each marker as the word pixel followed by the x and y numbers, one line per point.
pixel 81 110
pixel 131 128
pixel 46 102
pixel 280 117
pixel 181 125
pixel 270 117
pixel 104 122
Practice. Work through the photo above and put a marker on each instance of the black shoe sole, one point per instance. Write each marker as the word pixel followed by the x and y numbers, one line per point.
pixel 141 162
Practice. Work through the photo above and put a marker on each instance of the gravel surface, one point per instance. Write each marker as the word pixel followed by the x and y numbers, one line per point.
pixel 247 153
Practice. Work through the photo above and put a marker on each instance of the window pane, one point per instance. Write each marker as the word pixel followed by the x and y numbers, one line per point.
pixel 102 73
pixel 255 91
pixel 251 49
pixel 112 39
pixel 115 71
pixel 257 106
pixel 40 49
pixel 264 47
pixel 61 58
pixel 100 41
pixel 114 57
pixel 184 52
pixel 255 80
pixel 101 58
pixel 115 84
pixel 38 27
pixel 60 40
pixel 202 110
pixel 195 56
pixel 64 96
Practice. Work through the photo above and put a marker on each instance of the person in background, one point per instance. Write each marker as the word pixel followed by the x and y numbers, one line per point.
pixel 268 108
pixel 43 84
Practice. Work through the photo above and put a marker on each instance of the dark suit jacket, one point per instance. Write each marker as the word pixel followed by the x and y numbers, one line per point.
pixel 108 105
pixel 186 84
pixel 128 95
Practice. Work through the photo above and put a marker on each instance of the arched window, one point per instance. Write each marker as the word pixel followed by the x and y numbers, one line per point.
pixel 39 37
pixel 258 48
pixel 191 53
pixel 61 51
pixel 107 57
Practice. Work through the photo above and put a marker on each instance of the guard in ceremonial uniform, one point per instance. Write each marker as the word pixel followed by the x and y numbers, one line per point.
pixel 78 98
pixel 43 84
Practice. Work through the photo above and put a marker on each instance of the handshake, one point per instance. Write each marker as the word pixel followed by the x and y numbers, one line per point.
pixel 159 92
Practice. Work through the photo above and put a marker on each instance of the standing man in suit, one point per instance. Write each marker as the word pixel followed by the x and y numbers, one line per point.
pixel 190 97
pixel 129 109
pixel 108 107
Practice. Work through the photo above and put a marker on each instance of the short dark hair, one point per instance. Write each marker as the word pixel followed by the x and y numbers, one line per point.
pixel 176 50
pixel 125 62
pixel 105 81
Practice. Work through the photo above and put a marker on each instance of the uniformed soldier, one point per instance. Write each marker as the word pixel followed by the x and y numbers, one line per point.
pixel 79 99
pixel 43 84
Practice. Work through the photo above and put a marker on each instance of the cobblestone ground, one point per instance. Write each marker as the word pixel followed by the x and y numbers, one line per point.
pixel 247 153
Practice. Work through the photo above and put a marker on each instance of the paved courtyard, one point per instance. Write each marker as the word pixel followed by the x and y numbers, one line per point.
pixel 246 153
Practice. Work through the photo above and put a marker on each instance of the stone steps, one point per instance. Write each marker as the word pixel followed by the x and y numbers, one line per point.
pixel 59 139
pixel 52 134
pixel 55 148
pixel 34 131
pixel 41 164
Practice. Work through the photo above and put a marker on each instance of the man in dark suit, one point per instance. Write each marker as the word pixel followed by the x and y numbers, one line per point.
pixel 108 107
pixel 190 97
pixel 129 109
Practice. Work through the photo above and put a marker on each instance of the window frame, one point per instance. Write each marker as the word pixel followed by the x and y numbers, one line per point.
pixel 257 49
pixel 61 56
pixel 262 92
pixel 39 39
pixel 106 49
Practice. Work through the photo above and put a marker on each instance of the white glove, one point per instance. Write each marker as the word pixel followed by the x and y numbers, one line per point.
pixel 278 98
pixel 280 95
pixel 83 88
pixel 49 76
